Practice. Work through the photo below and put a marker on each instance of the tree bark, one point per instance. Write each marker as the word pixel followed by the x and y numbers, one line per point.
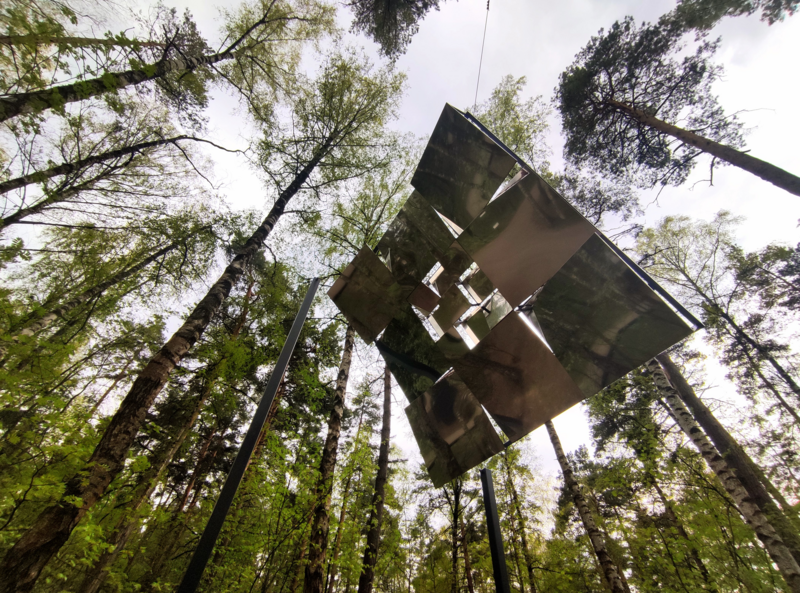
pixel 455 509
pixel 337 542
pixel 764 170
pixel 332 567
pixel 752 514
pixel 301 557
pixel 24 562
pixel 607 565
pixel 376 512
pixel 67 168
pixel 318 540
pixel 745 469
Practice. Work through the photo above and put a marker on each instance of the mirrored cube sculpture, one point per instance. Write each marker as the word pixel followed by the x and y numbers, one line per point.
pixel 522 314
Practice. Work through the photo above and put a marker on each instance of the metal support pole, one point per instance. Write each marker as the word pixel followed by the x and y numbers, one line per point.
pixel 206 545
pixel 495 537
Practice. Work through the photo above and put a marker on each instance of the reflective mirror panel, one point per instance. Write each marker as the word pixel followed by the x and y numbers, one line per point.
pixel 477 326
pixel 424 299
pixel 431 227
pixel 410 260
pixel 460 169
pixel 407 336
pixel 479 286
pixel 498 309
pixel 452 345
pixel 452 306
pixel 516 378
pixel 601 320
pixel 444 248
pixel 524 236
pixel 453 432
pixel 368 295
pixel 455 262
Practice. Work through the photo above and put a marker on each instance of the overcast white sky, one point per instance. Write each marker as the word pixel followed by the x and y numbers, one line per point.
pixel 538 40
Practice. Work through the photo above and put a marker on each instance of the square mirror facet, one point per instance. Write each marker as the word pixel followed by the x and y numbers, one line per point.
pixel 424 299
pixel 477 326
pixel 440 241
pixel 368 295
pixel 407 336
pixel 479 286
pixel 455 262
pixel 524 236
pixel 602 320
pixel 452 345
pixel 453 432
pixel 517 379
pixel 409 258
pixel 452 305
pixel 460 169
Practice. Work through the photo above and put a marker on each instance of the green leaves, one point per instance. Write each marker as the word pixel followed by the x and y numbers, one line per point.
pixel 641 68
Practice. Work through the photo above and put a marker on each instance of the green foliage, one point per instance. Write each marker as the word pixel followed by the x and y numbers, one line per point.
pixel 520 124
pixel 704 14
pixel 390 23
pixel 646 68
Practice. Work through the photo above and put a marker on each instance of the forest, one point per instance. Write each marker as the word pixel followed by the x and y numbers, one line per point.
pixel 143 309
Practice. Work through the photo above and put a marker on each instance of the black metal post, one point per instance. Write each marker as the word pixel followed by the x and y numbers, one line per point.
pixel 206 544
pixel 495 537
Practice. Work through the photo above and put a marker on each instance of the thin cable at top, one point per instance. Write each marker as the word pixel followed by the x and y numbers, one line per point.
pixel 480 64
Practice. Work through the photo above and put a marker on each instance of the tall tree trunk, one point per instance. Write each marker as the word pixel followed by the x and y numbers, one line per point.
pixel 318 540
pixel 467 563
pixel 58 194
pixel 332 567
pixel 57 97
pixel 607 565
pixel 762 352
pixel 456 512
pixel 376 512
pixel 745 469
pixel 762 169
pixel 67 168
pixel 766 382
pixel 24 562
pixel 520 522
pixel 773 543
